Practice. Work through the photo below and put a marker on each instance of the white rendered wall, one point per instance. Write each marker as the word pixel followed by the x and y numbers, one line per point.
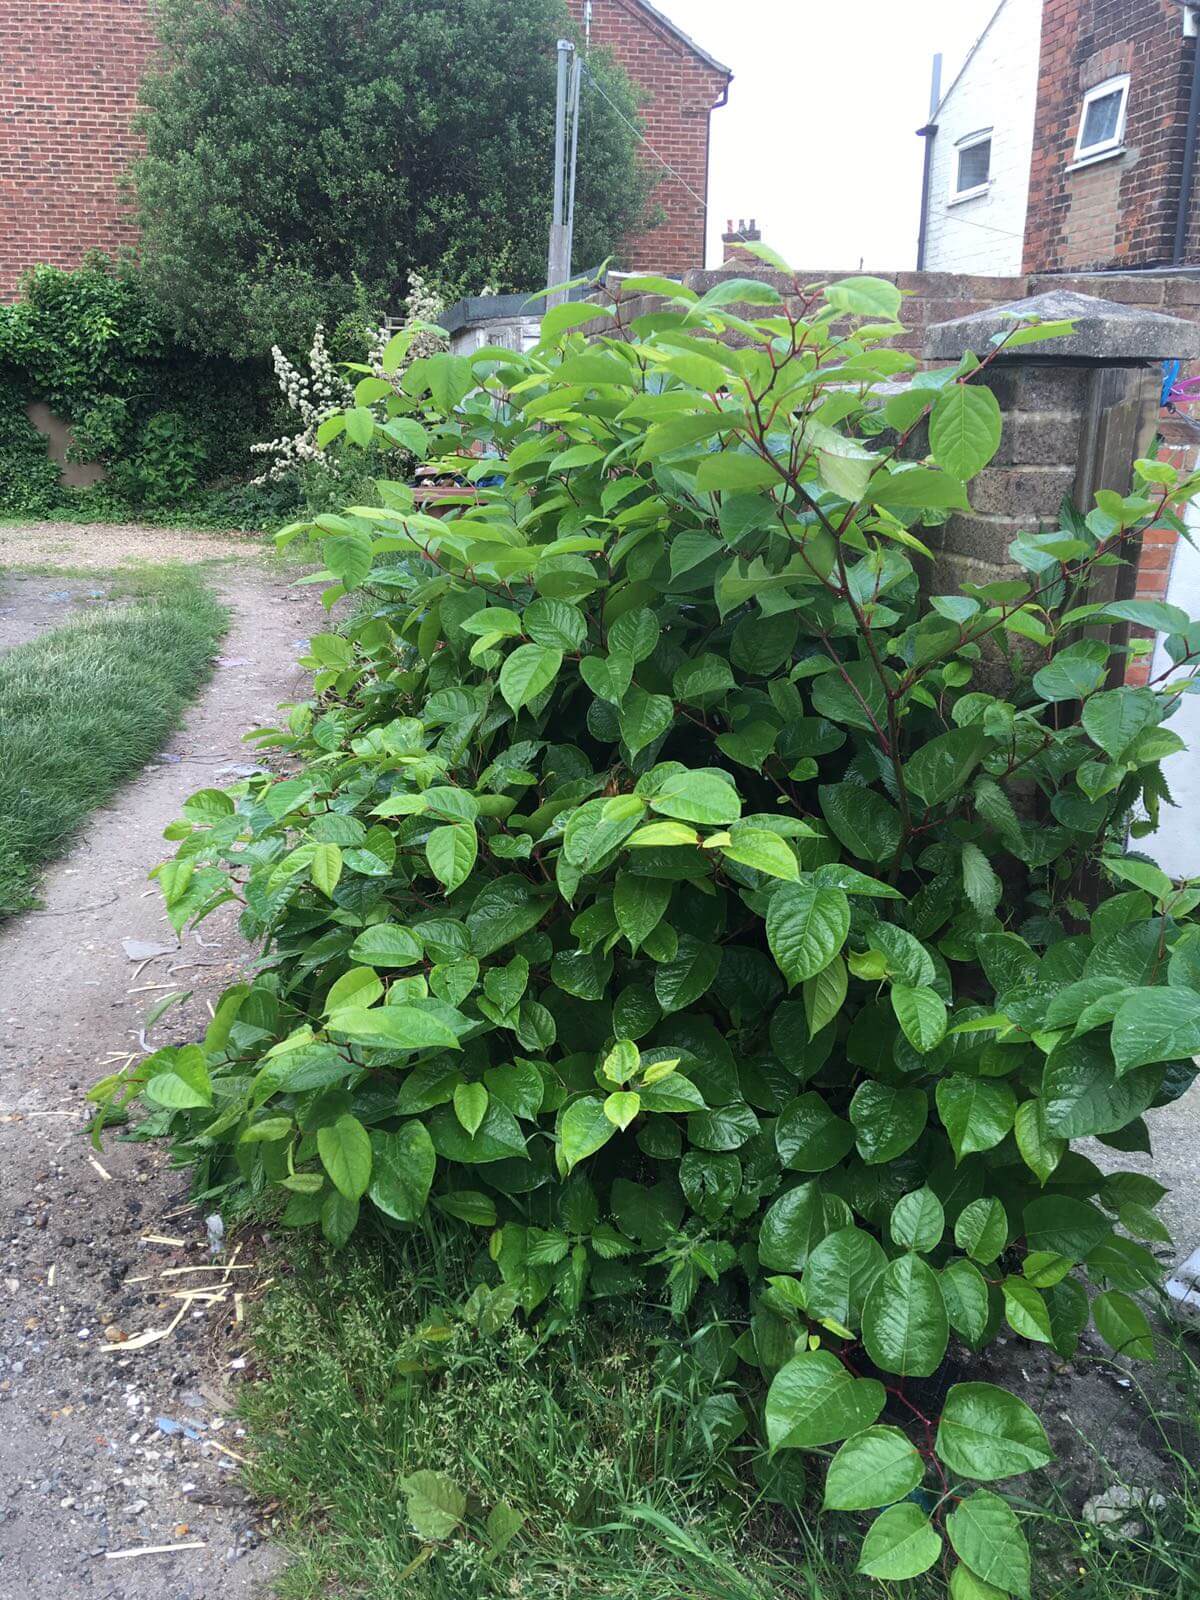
pixel 998 89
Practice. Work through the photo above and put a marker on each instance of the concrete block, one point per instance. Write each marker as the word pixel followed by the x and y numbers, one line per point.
pixel 1183 1290
pixel 983 539
pixel 1038 439
pixel 962 285
pixel 1036 389
pixel 1183 291
pixel 1031 494
pixel 1141 289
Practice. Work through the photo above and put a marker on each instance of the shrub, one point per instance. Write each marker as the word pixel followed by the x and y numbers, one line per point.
pixel 672 887
pixel 301 154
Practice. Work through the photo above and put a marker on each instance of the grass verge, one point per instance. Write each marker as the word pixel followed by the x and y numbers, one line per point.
pixel 84 707
pixel 372 1376
pixel 606 1441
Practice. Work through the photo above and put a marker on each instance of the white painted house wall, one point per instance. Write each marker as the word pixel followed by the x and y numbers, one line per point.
pixel 997 89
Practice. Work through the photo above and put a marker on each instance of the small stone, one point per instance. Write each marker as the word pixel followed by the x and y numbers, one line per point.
pixel 145 949
pixel 1111 1511
pixel 114 1334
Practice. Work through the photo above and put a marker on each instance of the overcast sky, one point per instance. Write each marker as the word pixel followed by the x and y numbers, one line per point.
pixel 817 140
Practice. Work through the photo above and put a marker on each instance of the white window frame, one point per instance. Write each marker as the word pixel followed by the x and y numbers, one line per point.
pixel 968 142
pixel 1116 143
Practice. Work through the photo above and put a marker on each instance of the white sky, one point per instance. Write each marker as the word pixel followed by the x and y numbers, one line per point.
pixel 818 139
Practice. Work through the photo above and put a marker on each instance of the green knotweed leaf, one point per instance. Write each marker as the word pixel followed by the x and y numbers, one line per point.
pixel 986 1433
pixel 905 1327
pixel 987 1537
pixel 900 1543
pixel 345 1150
pixel 813 1400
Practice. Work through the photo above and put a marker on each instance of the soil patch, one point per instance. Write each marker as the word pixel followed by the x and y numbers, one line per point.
pixel 32 605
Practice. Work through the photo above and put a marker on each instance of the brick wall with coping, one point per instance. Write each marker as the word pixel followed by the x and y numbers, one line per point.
pixel 1118 211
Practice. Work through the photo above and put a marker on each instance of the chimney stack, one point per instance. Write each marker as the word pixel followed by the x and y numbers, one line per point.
pixel 733 238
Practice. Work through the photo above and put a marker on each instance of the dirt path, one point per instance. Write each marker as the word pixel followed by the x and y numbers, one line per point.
pixel 32 605
pixel 102 1450
pixel 99 547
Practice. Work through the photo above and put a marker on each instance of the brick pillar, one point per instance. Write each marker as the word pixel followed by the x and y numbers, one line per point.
pixel 1078 411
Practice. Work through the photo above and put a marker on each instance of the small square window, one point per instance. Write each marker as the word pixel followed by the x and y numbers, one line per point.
pixel 1102 119
pixel 972 165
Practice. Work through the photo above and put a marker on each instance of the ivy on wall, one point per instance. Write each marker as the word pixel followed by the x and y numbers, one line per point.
pixel 169 426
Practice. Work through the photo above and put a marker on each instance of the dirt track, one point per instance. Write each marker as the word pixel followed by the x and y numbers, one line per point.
pixel 85 1467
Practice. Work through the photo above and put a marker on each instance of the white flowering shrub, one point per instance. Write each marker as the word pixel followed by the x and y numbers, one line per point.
pixel 324 392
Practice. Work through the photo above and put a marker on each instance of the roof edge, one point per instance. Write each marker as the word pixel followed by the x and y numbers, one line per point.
pixel 970 56
pixel 684 38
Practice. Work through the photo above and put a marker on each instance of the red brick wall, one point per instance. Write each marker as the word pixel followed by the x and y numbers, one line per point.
pixel 69 72
pixel 1178 446
pixel 680 92
pixel 1119 212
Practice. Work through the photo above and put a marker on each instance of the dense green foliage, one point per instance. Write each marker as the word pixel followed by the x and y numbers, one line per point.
pixel 303 152
pixel 85 706
pixel 676 891
pixel 165 423
pixel 30 483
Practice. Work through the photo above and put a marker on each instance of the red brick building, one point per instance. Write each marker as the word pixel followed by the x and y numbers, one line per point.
pixel 683 85
pixel 69 75
pixel 1107 175
pixel 69 72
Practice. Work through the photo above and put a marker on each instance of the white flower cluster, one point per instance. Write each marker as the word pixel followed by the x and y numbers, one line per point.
pixel 314 396
pixel 323 391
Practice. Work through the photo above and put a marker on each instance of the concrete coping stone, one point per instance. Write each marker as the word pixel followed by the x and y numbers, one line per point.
pixel 1104 331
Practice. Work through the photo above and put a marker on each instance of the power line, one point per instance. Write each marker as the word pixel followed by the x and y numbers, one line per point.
pixel 986 226
pixel 642 139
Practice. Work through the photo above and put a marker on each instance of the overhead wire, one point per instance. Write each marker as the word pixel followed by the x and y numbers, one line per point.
pixel 642 139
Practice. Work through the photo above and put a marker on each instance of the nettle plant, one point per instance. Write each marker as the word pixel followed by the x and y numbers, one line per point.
pixel 675 889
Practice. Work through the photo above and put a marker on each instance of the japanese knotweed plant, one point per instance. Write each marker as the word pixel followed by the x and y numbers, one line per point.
pixel 679 886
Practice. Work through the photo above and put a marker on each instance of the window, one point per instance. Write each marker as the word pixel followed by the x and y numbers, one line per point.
pixel 1102 119
pixel 972 165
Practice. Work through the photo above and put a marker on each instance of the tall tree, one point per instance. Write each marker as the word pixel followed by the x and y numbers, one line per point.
pixel 302 156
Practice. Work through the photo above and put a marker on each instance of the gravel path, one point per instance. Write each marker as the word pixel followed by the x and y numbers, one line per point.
pixel 104 1450
pixel 99 547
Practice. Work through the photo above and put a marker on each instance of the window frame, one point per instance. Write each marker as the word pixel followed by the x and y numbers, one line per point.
pixel 1119 83
pixel 968 142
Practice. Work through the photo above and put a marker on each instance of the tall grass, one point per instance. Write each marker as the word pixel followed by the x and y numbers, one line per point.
pixel 84 707
pixel 596 1437
pixel 368 1376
